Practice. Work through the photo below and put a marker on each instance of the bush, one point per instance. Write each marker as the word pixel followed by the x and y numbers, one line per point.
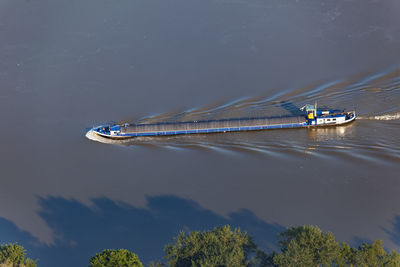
pixel 220 247
pixel 113 258
pixel 306 246
pixel 309 246
pixel 14 255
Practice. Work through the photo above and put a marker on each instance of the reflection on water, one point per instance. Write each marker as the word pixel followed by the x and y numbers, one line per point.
pixel 334 133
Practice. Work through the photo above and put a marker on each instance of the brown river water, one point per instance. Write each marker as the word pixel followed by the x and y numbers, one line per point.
pixel 67 66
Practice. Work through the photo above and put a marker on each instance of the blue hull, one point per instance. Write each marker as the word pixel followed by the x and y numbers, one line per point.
pixel 218 130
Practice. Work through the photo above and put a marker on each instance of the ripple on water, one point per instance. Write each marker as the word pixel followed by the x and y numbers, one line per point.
pixel 373 97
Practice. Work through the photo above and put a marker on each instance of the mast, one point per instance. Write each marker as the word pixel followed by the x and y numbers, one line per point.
pixel 315 114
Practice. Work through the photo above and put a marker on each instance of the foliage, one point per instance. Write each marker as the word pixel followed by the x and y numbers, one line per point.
pixel 30 263
pixel 113 258
pixel 374 255
pixel 217 248
pixel 306 246
pixel 346 256
pixel 14 255
pixel 262 259
pixel 156 264
pixel 309 246
pixel 301 246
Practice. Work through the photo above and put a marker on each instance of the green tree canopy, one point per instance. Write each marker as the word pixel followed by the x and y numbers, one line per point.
pixel 218 248
pixel 374 255
pixel 346 256
pixel 155 264
pixel 115 258
pixel 306 246
pixel 14 255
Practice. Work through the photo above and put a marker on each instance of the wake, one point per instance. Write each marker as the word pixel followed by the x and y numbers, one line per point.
pixel 387 117
pixel 373 97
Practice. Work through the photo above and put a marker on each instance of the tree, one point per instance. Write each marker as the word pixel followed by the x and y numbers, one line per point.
pixel 371 255
pixel 392 259
pixel 309 246
pixel 14 255
pixel 262 259
pixel 156 264
pixel 30 263
pixel 374 255
pixel 346 256
pixel 306 246
pixel 113 258
pixel 218 248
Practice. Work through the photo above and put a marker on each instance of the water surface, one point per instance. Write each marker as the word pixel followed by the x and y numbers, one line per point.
pixel 66 66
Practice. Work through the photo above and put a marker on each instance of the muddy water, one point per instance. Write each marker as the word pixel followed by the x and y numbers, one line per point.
pixel 66 66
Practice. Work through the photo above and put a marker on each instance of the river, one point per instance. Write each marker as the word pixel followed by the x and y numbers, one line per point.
pixel 66 66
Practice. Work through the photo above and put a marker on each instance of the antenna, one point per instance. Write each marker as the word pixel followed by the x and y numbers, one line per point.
pixel 315 115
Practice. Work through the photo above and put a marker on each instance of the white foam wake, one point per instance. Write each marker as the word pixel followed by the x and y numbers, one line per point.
pixel 94 137
pixel 387 117
pixel 91 135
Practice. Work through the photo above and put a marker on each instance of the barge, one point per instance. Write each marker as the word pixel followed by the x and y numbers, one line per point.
pixel 310 117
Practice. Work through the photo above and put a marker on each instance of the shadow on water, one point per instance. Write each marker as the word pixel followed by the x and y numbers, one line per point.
pixel 291 108
pixel 394 232
pixel 82 231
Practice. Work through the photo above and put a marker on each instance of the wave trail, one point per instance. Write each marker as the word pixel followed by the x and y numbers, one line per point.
pixel 387 117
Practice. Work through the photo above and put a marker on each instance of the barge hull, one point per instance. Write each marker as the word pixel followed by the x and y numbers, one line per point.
pixel 212 126
pixel 215 130
pixel 125 131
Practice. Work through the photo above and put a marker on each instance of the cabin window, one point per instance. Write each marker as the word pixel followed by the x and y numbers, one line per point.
pixel 334 119
pixel 328 120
